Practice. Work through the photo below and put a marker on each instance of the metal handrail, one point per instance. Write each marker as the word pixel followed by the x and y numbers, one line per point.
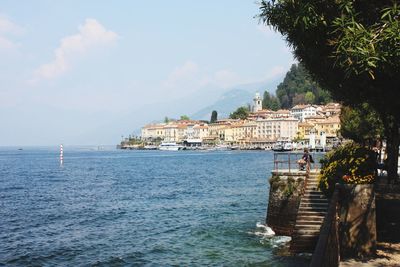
pixel 286 158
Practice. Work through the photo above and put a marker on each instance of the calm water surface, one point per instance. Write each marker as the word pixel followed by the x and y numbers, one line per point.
pixel 135 208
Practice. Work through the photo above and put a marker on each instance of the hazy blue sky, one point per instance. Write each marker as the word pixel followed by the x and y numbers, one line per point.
pixel 86 72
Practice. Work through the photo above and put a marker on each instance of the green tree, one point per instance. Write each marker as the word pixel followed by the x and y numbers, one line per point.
pixel 166 119
pixel 351 48
pixel 214 116
pixel 309 98
pixel 270 101
pixel 240 113
pixel 361 124
pixel 185 118
pixel 296 84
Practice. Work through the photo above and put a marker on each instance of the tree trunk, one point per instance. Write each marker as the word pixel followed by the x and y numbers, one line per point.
pixel 392 150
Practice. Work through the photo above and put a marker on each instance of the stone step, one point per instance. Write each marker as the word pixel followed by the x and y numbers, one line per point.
pixel 315 204
pixel 306 207
pixel 304 237
pixel 310 231
pixel 311 220
pixel 315 200
pixel 309 213
pixel 321 210
pixel 313 192
pixel 313 188
pixel 314 196
pixel 307 226
pixel 302 218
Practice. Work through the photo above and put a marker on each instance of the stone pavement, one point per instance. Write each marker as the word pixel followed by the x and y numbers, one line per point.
pixel 388 254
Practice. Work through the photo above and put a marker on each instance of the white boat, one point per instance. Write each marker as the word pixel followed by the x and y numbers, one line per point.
pixel 220 147
pixel 282 146
pixel 287 147
pixel 278 147
pixel 150 147
pixel 170 146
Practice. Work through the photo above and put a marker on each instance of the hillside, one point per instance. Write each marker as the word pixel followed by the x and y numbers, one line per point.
pixel 237 96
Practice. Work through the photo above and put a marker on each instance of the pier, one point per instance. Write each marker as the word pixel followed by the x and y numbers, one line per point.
pixel 296 207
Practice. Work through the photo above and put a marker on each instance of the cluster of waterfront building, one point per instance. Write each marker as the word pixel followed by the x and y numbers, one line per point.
pixel 308 125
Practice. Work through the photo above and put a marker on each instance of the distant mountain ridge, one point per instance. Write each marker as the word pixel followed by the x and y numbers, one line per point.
pixel 240 95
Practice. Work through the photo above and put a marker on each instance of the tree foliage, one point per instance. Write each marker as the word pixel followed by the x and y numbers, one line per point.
pixel 362 124
pixel 214 116
pixel 349 164
pixel 351 48
pixel 298 84
pixel 270 101
pixel 309 98
pixel 240 113
pixel 184 118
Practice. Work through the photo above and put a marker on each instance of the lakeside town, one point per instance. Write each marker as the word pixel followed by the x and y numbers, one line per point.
pixel 303 126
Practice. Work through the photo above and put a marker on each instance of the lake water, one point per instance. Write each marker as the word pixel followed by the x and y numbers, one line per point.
pixel 135 208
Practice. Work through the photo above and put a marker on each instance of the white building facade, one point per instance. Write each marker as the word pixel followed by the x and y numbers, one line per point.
pixel 301 112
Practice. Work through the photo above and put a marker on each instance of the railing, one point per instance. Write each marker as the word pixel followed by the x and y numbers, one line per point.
pixel 327 251
pixel 288 161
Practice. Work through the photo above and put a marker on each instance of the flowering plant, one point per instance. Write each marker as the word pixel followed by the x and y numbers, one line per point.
pixel 348 164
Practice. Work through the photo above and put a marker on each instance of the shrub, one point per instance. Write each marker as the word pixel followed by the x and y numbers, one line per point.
pixel 348 164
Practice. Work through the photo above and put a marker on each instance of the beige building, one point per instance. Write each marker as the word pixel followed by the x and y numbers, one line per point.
pixel 330 126
pixel 330 109
pixel 276 128
pixel 244 131
pixel 200 131
pixel 153 131
pixel 319 125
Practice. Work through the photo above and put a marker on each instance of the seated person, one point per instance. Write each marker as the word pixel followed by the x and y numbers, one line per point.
pixel 305 160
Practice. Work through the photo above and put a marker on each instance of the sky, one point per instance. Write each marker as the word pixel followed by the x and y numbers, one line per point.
pixel 89 72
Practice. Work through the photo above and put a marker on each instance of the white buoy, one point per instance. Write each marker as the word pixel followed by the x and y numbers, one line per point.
pixel 61 154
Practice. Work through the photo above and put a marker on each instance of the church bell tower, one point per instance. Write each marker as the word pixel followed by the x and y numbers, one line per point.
pixel 257 103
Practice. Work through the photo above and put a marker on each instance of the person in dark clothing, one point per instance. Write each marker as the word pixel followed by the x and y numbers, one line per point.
pixel 305 161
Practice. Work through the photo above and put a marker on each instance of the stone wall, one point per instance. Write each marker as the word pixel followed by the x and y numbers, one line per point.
pixel 284 200
pixel 357 229
pixel 388 212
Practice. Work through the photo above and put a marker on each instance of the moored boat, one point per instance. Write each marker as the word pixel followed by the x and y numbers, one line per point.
pixel 170 146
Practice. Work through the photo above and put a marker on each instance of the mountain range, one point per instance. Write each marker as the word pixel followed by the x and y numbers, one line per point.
pixel 235 97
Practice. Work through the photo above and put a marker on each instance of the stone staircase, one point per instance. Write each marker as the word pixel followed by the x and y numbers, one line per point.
pixel 311 213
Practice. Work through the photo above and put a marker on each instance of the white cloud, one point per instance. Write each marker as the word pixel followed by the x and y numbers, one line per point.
pixel 187 72
pixel 226 78
pixel 266 30
pixel 7 26
pixel 7 29
pixel 275 72
pixel 190 76
pixel 91 34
